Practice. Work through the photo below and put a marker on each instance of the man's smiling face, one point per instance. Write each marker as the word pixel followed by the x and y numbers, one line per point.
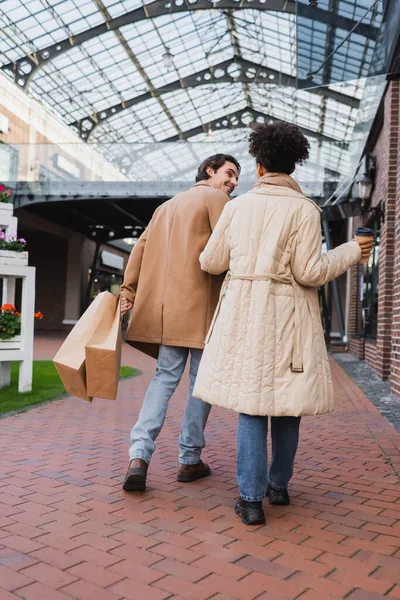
pixel 225 178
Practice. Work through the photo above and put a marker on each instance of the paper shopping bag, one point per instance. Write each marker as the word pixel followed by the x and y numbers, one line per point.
pixel 103 354
pixel 70 359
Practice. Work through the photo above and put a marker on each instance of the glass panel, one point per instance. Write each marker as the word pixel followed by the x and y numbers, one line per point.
pixel 373 90
pixel 356 40
pixel 104 281
pixel 70 169
pixel 8 163
pixel 111 69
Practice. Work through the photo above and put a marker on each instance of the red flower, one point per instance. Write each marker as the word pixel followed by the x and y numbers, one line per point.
pixel 8 308
pixel 2 188
pixel 39 315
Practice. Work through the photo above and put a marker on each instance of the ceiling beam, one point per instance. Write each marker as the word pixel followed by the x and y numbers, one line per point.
pixel 24 69
pixel 243 118
pixel 126 162
pixel 234 70
pixel 133 58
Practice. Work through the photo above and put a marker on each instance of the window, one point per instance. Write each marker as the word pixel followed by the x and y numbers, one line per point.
pixel 369 285
pixel 8 163
pixel 106 282
pixel 46 175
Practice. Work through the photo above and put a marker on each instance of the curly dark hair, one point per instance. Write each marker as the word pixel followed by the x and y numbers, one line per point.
pixel 278 147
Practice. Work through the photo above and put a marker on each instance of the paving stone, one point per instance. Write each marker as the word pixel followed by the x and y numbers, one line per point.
pixel 67 530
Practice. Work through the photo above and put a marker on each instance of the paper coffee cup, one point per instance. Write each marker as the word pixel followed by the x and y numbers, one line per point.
pixel 364 234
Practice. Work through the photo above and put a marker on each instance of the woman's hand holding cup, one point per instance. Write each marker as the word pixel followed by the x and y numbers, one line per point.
pixel 365 239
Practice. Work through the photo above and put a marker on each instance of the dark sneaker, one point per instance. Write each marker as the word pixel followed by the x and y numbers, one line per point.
pixel 189 473
pixel 251 513
pixel 135 479
pixel 278 497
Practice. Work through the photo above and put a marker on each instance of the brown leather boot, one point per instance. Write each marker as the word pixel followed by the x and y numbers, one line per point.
pixel 135 479
pixel 189 473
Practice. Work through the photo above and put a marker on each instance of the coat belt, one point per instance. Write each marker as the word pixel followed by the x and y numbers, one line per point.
pixel 297 363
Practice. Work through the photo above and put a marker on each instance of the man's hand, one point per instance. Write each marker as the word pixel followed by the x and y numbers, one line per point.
pixel 125 306
pixel 366 247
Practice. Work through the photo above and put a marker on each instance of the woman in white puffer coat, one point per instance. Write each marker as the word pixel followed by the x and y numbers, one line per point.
pixel 265 353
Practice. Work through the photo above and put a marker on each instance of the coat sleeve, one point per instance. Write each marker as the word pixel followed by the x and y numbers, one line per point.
pixel 308 265
pixel 215 257
pixel 132 271
pixel 215 204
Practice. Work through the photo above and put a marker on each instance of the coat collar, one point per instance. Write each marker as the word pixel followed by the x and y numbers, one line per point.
pixel 203 182
pixel 280 180
pixel 206 183
pixel 281 183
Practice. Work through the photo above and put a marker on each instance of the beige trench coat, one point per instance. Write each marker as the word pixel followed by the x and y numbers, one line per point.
pixel 173 299
pixel 265 353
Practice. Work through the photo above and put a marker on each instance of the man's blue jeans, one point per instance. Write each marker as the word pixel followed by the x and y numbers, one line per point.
pixel 170 367
pixel 252 467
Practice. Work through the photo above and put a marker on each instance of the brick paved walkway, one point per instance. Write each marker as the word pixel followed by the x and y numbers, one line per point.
pixel 68 531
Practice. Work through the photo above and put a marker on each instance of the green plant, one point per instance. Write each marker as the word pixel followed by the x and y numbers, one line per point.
pixel 10 321
pixel 5 194
pixel 11 242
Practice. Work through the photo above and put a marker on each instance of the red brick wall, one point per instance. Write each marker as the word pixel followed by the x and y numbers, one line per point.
pixel 394 194
pixel 386 189
pixel 18 130
pixel 354 306
pixel 370 353
pixel 388 157
pixel 356 348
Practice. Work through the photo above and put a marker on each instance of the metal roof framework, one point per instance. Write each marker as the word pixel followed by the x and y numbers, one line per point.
pixel 131 74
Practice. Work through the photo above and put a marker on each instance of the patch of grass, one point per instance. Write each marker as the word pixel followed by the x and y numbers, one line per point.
pixel 47 385
pixel 127 372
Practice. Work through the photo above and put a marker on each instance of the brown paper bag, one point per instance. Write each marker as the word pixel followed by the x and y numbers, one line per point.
pixel 103 354
pixel 70 359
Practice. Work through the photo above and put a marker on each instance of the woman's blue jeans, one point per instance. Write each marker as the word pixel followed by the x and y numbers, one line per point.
pixel 251 448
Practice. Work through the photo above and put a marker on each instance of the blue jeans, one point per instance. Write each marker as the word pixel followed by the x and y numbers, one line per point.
pixel 170 367
pixel 252 466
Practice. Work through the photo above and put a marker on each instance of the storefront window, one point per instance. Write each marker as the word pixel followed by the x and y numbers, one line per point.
pixel 369 286
pixel 106 282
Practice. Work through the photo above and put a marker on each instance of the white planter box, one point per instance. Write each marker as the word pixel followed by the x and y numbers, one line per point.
pixel 12 344
pixel 7 257
pixel 7 206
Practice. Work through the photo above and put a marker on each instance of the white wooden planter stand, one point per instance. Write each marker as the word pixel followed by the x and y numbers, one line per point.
pixel 14 265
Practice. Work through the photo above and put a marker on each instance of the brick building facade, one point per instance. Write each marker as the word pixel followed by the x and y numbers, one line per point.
pixel 379 344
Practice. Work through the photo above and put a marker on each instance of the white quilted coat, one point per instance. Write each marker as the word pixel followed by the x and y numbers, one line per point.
pixel 265 352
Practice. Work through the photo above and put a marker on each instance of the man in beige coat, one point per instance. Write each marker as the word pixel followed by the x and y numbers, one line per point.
pixel 172 302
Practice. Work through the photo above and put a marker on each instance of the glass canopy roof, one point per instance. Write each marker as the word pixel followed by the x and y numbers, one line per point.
pixel 127 75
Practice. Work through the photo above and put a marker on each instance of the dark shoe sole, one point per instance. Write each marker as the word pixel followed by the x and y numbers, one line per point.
pixel 245 520
pixel 135 483
pixel 188 478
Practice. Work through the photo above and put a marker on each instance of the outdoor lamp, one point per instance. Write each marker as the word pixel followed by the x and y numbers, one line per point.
pixel 168 59
pixel 366 181
pixel 365 187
